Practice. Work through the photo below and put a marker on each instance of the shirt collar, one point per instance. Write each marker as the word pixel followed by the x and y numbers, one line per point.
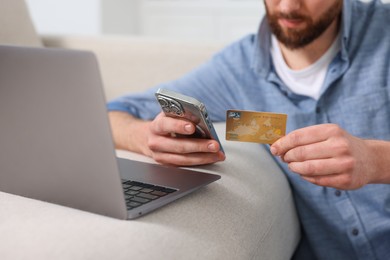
pixel 346 18
pixel 261 58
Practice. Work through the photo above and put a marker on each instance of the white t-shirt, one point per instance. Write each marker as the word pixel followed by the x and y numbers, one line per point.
pixel 308 81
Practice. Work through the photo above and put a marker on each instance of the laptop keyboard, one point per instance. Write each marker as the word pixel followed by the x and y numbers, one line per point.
pixel 138 193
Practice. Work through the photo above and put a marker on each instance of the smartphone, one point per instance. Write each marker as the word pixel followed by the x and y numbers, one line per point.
pixel 177 105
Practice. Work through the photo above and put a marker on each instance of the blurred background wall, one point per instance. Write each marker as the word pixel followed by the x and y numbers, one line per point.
pixel 205 20
pixel 201 20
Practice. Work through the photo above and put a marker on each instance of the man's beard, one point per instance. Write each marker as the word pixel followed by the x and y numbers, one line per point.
pixel 299 38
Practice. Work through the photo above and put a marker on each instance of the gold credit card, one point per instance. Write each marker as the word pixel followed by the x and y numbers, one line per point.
pixel 257 127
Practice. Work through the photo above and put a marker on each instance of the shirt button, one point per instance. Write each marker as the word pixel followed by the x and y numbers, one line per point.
pixel 318 110
pixel 355 232
pixel 337 193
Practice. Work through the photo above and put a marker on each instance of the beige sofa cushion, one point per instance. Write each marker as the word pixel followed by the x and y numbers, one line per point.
pixel 248 214
pixel 131 64
pixel 16 27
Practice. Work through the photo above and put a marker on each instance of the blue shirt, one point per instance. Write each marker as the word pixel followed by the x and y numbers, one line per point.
pixel 355 95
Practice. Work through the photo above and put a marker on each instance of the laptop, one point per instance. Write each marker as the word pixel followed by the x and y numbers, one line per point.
pixel 56 143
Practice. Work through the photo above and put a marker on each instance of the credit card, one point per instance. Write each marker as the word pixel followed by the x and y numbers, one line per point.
pixel 257 127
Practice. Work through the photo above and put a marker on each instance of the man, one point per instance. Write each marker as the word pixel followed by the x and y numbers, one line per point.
pixel 327 65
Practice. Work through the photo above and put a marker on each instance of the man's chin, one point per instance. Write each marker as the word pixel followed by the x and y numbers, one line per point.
pixel 292 42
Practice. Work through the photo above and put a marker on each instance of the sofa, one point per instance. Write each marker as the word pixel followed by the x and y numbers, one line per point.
pixel 248 214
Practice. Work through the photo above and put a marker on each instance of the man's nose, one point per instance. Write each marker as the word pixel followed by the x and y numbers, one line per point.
pixel 288 6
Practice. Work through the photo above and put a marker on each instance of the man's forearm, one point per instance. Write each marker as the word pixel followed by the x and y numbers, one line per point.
pixel 128 131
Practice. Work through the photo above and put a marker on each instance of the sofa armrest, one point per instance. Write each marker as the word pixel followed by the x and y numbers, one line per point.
pixel 131 64
pixel 248 214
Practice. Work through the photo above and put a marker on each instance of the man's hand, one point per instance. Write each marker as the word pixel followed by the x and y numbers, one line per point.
pixel 326 155
pixel 157 140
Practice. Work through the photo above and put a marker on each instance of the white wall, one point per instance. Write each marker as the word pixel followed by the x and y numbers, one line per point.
pixel 66 16
pixel 175 19
pixel 219 20
pixel 120 16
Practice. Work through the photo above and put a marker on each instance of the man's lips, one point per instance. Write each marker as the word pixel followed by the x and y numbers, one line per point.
pixel 291 23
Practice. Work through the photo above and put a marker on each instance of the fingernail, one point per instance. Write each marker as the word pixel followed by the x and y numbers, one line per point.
pixel 212 147
pixel 273 150
pixel 188 128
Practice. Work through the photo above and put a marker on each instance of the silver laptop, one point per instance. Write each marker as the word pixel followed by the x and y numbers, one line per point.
pixel 56 144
